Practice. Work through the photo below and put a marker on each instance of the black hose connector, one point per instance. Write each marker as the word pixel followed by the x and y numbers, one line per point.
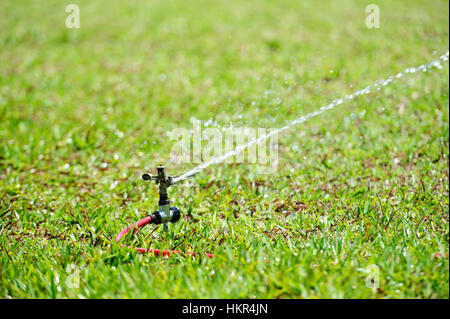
pixel 160 216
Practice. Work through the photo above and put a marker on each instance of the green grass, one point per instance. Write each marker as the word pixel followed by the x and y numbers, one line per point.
pixel 83 115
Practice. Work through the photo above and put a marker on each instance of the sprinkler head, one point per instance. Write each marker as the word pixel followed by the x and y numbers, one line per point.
pixel 165 213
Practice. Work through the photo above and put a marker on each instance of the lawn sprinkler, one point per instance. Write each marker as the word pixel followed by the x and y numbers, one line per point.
pixel 165 213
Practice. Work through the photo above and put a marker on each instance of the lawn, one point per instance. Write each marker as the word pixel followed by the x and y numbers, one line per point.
pixel 359 204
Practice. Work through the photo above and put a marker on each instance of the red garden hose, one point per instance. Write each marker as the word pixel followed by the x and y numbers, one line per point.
pixel 157 252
